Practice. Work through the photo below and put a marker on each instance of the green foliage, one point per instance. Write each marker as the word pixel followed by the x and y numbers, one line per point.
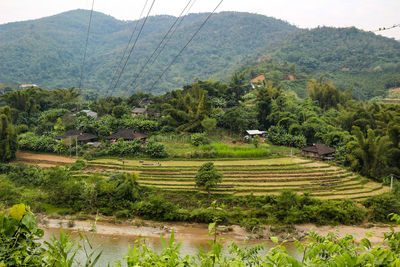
pixel 155 150
pixel 382 205
pixel 326 95
pixel 31 142
pixel 8 137
pixel 124 148
pixel 198 139
pixel 119 111
pixel 278 136
pixel 219 150
pixel 78 165
pixel 55 62
pixel 18 231
pixel 208 177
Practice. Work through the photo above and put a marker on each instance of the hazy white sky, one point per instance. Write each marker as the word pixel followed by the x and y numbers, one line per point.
pixel 364 14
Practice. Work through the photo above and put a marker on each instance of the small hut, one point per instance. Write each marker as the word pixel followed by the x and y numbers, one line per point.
pixel 319 151
pixel 80 136
pixel 127 135
pixel 137 111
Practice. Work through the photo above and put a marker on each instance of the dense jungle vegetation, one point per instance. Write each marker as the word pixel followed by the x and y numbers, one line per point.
pixel 366 136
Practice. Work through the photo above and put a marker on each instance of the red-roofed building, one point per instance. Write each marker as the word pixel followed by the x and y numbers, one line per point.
pixel 257 80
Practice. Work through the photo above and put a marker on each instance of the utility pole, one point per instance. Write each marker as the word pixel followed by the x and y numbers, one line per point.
pixel 391 182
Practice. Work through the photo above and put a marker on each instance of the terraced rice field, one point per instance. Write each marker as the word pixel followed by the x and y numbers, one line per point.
pixel 240 177
pixel 258 177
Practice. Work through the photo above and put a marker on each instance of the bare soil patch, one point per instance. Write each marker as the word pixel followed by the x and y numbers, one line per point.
pixel 44 157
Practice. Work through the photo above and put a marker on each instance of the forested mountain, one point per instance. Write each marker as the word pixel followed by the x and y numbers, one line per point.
pixel 49 51
pixel 348 56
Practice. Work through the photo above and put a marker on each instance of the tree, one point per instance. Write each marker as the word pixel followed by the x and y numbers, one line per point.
pixel 8 137
pixel 118 111
pixel 265 94
pixel 208 177
pixel 369 153
pixel 209 124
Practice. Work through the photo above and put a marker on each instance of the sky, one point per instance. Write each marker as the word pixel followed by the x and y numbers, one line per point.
pixel 369 15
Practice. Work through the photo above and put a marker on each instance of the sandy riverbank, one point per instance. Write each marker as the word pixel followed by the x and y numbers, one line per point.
pixel 195 231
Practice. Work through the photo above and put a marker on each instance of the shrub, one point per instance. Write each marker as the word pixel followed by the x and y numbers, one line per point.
pixel 156 150
pixel 198 139
pixel 278 136
pixel 381 206
pixel 124 148
pixel 31 142
pixel 78 165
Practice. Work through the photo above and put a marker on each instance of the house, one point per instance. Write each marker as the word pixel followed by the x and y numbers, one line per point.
pixel 28 85
pixel 81 137
pixel 127 135
pixel 90 113
pixel 319 151
pixel 257 80
pixel 137 111
pixel 252 133
pixel 145 102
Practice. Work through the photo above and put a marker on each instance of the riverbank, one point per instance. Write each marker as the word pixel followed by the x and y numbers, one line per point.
pixel 196 231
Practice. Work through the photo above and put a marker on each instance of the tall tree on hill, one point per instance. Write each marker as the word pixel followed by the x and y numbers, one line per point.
pixel 265 94
pixel 8 137
pixel 187 111
pixel 237 88
pixel 369 154
pixel 327 95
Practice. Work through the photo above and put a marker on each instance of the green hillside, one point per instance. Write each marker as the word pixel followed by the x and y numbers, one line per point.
pixel 48 51
pixel 348 56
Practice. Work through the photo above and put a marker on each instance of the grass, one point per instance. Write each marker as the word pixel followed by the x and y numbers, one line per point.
pixel 53 209
pixel 197 163
pixel 237 151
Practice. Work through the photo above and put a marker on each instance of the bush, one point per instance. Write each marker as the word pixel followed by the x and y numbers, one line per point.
pixel 157 208
pixel 31 142
pixel 381 206
pixel 124 148
pixel 198 139
pixel 156 150
pixel 78 165
pixel 278 136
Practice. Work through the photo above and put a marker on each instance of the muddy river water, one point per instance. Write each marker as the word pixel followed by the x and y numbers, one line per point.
pixel 115 239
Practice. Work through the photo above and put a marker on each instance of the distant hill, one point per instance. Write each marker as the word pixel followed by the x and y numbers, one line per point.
pixel 348 56
pixel 49 51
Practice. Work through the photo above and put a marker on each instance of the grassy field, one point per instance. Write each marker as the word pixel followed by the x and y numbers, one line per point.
pixel 243 177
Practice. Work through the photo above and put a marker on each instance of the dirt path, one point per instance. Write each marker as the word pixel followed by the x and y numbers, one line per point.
pixel 44 157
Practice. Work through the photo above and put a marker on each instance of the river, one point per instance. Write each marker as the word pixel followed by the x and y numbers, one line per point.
pixel 115 246
pixel 115 239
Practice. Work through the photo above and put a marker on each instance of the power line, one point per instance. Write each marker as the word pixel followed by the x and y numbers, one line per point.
pixel 117 66
pixel 134 44
pixel 169 38
pixel 159 45
pixel 387 28
pixel 180 52
pixel 87 40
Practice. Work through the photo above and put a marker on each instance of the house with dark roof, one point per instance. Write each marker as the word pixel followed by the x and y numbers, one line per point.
pixel 319 151
pixel 127 135
pixel 137 111
pixel 145 102
pixel 80 136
